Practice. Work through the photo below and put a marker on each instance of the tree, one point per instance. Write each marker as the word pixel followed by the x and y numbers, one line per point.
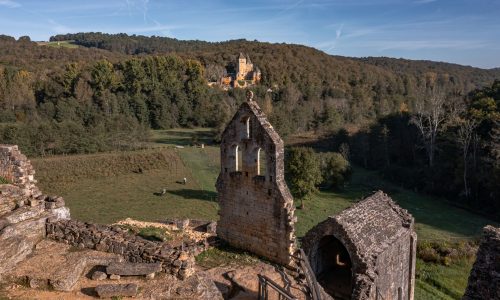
pixel 303 172
pixel 335 169
pixel 466 133
pixel 430 118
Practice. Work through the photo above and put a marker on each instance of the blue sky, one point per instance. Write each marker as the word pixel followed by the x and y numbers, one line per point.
pixel 459 31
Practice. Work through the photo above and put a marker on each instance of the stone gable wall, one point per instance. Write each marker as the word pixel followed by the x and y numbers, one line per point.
pixel 256 207
pixel 484 278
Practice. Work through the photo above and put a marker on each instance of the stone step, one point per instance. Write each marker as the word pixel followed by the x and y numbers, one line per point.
pixel 132 269
pixel 116 290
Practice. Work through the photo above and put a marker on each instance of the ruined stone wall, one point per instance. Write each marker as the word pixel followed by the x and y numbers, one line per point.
pixel 23 209
pixel 395 278
pixel 17 169
pixel 177 261
pixel 381 242
pixel 484 278
pixel 256 207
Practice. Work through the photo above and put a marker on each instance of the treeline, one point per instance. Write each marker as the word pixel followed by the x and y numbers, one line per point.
pixel 98 106
pixel 310 89
pixel 447 146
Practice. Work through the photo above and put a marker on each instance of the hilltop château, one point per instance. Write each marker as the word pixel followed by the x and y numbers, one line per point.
pixel 245 74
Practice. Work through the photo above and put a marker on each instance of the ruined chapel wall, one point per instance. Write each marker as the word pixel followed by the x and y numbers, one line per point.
pixel 256 209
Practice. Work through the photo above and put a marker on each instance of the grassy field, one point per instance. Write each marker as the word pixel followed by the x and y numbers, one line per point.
pixel 62 44
pixel 108 187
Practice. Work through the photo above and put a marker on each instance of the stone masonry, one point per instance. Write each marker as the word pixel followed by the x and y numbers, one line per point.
pixel 484 278
pixel 256 207
pixel 23 209
pixel 366 252
pixel 178 261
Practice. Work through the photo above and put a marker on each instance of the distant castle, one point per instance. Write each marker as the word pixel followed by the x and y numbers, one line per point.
pixel 246 74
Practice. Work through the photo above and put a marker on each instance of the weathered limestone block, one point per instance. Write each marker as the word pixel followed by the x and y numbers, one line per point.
pixel 98 275
pixel 133 269
pixel 17 241
pixel 24 213
pixel 116 290
pixel 66 277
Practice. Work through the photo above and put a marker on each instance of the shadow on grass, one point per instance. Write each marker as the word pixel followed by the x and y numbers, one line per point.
pixel 195 194
pixel 186 138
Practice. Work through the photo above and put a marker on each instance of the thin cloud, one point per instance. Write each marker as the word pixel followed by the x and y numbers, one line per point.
pixel 423 1
pixel 9 3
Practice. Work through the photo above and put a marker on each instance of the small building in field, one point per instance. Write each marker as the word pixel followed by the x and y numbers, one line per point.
pixel 366 252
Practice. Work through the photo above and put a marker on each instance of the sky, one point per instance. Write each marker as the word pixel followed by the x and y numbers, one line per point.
pixel 466 32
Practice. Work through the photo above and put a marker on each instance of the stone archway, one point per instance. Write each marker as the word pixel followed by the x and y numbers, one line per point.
pixel 334 267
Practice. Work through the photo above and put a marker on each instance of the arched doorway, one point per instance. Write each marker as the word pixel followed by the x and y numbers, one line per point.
pixel 334 268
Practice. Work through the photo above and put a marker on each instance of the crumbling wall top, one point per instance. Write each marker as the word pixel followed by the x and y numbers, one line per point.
pixel 17 170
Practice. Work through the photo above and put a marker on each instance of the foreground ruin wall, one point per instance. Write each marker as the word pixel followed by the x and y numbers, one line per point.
pixel 178 261
pixel 373 243
pixel 484 279
pixel 23 209
pixel 256 207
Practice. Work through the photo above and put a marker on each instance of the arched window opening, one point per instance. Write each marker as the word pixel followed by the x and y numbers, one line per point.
pixel 248 127
pixel 334 268
pixel 239 159
pixel 261 162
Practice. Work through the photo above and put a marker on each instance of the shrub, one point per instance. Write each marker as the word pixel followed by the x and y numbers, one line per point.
pixel 3 180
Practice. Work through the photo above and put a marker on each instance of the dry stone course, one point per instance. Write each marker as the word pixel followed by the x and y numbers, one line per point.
pixel 178 261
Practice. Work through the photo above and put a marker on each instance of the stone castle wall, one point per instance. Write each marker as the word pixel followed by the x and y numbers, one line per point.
pixel 484 279
pixel 177 261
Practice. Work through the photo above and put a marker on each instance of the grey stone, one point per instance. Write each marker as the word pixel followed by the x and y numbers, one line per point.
pixel 212 227
pixel 98 275
pixel 116 290
pixel 484 278
pixel 133 269
pixel 67 276
pixel 114 277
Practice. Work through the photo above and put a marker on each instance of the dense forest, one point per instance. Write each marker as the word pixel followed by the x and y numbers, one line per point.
pixel 427 125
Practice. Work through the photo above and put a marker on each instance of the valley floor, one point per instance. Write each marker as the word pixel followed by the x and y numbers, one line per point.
pixel 148 185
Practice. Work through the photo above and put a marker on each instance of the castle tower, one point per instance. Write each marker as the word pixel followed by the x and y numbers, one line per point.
pixel 241 68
